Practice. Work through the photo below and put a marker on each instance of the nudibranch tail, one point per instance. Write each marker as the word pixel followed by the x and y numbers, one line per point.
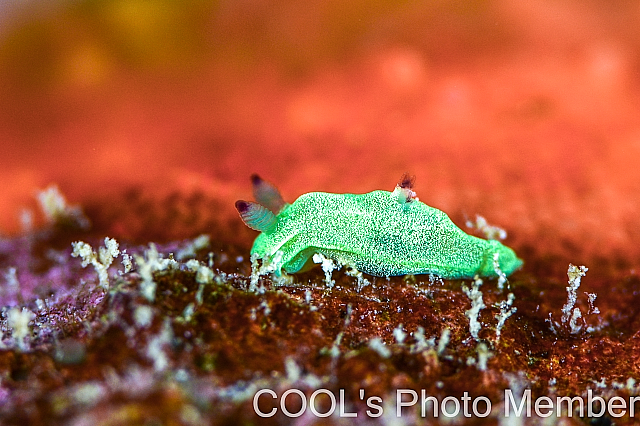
pixel 267 194
pixel 256 216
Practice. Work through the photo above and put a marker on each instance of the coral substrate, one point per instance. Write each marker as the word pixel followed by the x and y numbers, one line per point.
pixel 184 331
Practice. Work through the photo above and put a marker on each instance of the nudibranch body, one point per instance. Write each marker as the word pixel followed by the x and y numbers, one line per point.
pixel 380 233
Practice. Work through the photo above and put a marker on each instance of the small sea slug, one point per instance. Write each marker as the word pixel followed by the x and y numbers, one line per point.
pixel 380 233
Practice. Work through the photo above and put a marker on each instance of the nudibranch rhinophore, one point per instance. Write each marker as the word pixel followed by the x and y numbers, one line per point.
pixel 380 233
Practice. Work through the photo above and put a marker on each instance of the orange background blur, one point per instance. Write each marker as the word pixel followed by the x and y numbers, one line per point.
pixel 524 112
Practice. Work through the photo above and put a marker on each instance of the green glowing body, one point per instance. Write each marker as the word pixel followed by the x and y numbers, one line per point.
pixel 380 233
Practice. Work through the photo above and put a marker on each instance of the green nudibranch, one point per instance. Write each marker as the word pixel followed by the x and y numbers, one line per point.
pixel 380 233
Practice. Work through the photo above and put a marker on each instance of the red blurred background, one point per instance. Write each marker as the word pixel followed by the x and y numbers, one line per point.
pixel 526 113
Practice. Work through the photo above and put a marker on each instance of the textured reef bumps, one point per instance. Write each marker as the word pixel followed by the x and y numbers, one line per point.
pixel 179 336
pixel 380 233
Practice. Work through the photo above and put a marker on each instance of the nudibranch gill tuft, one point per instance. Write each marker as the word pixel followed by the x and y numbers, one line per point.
pixel 380 233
